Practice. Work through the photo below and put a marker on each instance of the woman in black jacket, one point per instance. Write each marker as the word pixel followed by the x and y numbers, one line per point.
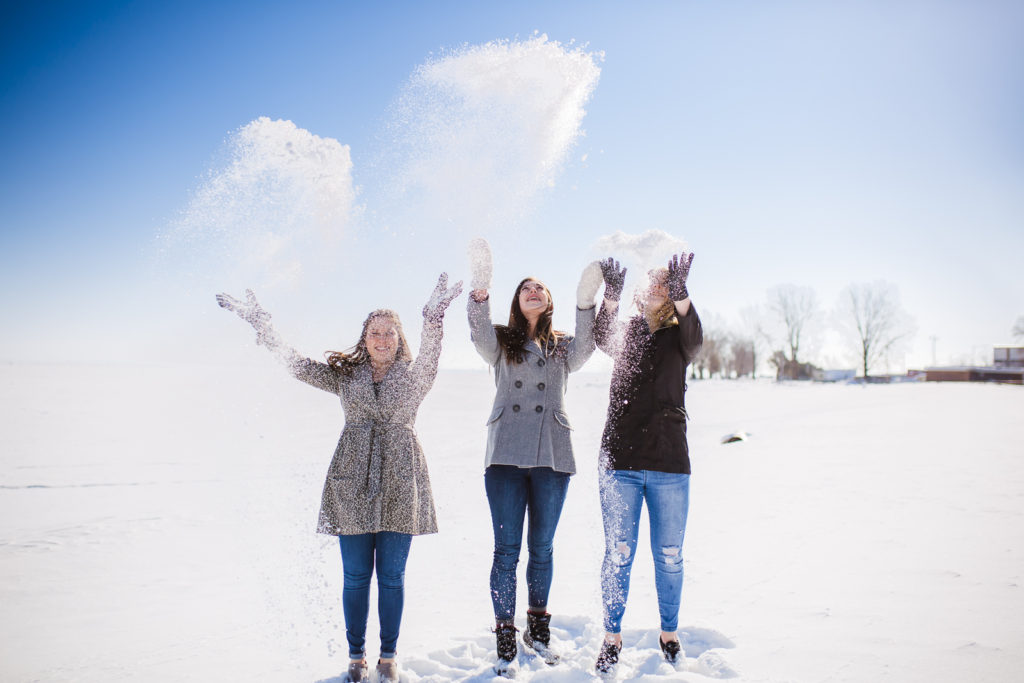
pixel 644 455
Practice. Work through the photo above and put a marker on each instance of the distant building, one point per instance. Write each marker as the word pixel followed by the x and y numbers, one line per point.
pixel 966 373
pixel 838 375
pixel 1008 356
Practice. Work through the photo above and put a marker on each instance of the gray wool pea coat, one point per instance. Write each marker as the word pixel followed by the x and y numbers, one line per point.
pixel 528 426
pixel 378 479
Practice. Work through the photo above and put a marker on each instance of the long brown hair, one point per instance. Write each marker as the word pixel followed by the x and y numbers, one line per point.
pixel 660 316
pixel 513 337
pixel 345 362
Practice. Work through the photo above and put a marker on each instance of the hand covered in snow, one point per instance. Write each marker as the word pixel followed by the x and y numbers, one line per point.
pixel 480 264
pixel 251 312
pixel 678 271
pixel 614 279
pixel 440 299
pixel 590 281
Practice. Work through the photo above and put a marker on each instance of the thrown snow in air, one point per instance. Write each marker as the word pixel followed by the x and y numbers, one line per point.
pixel 283 196
pixel 479 131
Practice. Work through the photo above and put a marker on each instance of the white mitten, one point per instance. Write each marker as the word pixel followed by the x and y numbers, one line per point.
pixel 590 281
pixel 480 265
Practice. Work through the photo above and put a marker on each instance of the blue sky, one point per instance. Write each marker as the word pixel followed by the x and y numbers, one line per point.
pixel 788 142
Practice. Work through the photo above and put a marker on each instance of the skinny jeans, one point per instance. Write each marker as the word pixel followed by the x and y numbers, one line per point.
pixel 361 554
pixel 623 493
pixel 511 492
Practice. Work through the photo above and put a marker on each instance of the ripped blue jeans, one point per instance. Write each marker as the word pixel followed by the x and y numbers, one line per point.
pixel 623 493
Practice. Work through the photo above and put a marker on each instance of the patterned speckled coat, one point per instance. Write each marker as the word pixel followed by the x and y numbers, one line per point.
pixel 528 426
pixel 378 480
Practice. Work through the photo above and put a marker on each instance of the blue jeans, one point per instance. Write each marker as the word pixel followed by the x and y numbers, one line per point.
pixel 360 553
pixel 511 491
pixel 622 496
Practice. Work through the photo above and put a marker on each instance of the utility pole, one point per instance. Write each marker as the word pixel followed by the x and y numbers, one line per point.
pixel 934 339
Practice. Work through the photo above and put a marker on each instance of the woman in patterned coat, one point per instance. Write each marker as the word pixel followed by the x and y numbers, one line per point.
pixel 377 494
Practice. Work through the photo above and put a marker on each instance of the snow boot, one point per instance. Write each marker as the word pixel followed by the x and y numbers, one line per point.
pixel 537 636
pixel 387 672
pixel 505 633
pixel 358 671
pixel 607 658
pixel 671 650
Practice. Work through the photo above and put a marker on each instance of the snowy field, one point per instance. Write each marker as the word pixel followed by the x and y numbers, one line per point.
pixel 157 524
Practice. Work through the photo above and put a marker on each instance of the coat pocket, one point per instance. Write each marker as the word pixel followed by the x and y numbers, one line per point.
pixel 561 418
pixel 353 449
pixel 495 414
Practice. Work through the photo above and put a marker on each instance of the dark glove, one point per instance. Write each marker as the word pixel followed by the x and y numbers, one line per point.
pixel 614 279
pixel 678 271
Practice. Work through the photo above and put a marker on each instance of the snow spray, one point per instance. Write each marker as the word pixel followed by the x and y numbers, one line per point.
pixel 283 195
pixel 639 253
pixel 478 132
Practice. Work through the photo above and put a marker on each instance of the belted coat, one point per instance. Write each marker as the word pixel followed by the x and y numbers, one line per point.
pixel 377 479
pixel 528 426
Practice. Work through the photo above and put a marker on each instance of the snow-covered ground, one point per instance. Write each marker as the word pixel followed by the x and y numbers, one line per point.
pixel 157 524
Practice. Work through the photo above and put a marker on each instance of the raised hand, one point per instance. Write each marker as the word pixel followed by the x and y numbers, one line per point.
pixel 590 280
pixel 480 264
pixel 441 298
pixel 614 279
pixel 249 310
pixel 678 271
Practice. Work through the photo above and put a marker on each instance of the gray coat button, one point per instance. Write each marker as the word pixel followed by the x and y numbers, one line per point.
pixel 515 408
pixel 539 409
pixel 540 363
pixel 541 386
pixel 519 384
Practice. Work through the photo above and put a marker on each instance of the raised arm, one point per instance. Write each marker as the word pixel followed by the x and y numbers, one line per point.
pixel 319 375
pixel 478 305
pixel 581 348
pixel 691 336
pixel 608 330
pixel 424 369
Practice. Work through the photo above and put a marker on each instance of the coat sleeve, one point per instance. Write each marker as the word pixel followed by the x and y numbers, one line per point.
pixel 608 331
pixel 424 369
pixel 314 373
pixel 482 331
pixel 319 375
pixel 581 348
pixel 691 334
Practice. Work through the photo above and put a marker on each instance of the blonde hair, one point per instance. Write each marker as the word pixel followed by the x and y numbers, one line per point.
pixel 663 315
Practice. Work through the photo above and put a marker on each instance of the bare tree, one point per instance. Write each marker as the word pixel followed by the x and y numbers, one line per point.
pixel 710 357
pixel 741 357
pixel 754 334
pixel 794 308
pixel 1018 328
pixel 873 313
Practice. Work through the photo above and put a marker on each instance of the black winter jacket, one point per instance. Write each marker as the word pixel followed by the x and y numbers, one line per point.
pixel 646 424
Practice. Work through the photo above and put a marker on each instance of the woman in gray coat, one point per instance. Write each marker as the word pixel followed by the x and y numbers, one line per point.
pixel 529 452
pixel 377 494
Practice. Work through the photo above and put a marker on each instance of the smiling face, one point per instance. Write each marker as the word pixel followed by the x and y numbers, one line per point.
pixel 381 341
pixel 533 298
pixel 656 293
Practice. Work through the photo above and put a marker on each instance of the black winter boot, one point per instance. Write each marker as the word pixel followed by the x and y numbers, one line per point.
pixel 607 658
pixel 671 650
pixel 537 636
pixel 506 637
